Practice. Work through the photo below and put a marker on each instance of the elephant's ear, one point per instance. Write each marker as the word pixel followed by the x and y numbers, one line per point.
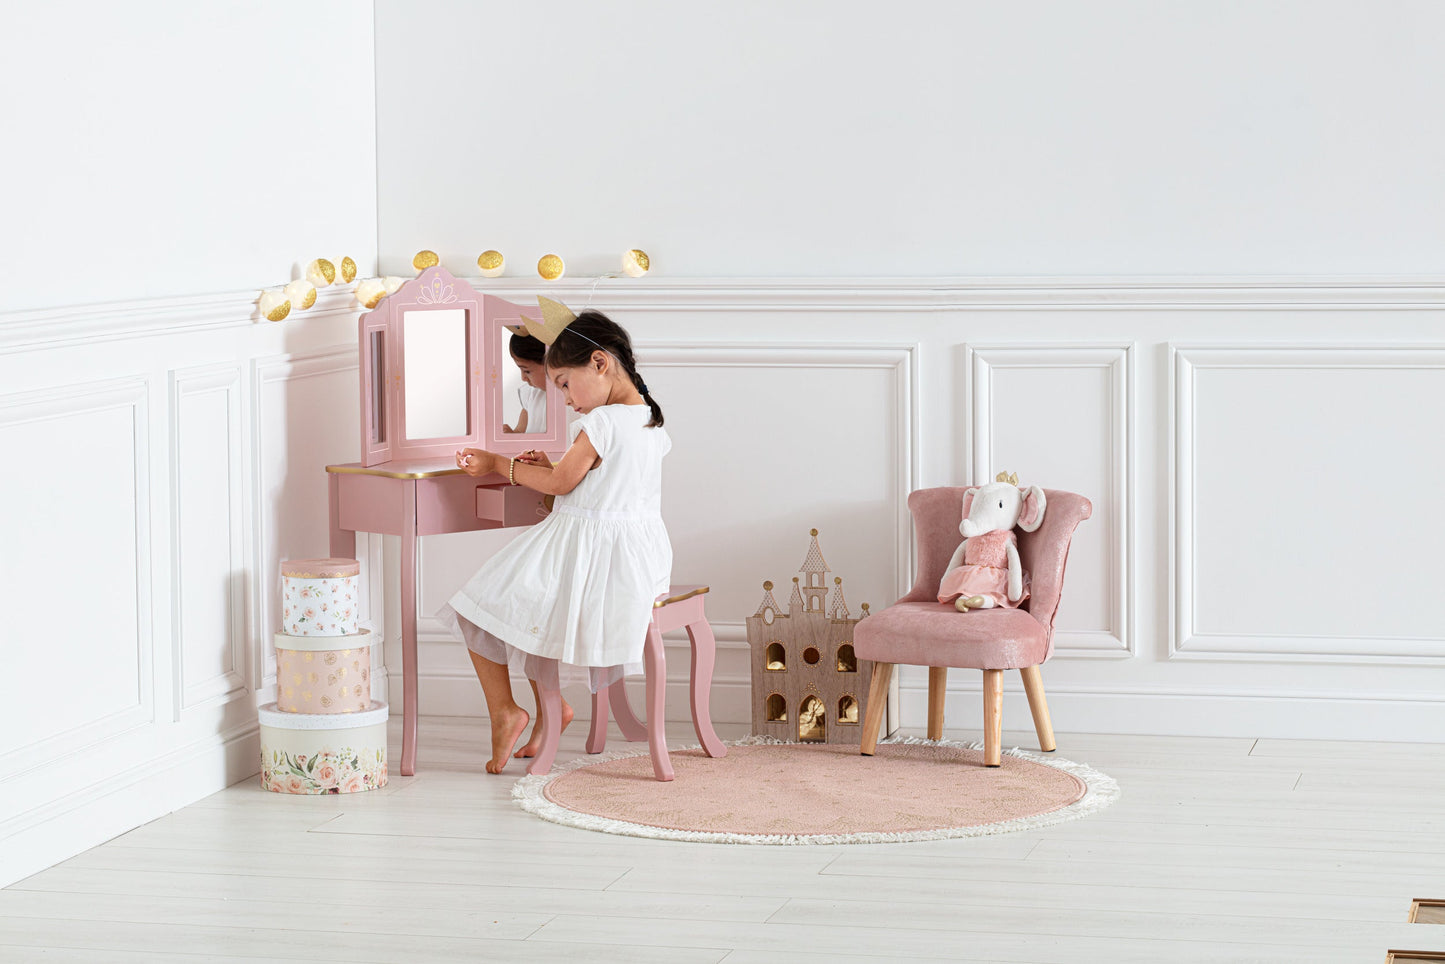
pixel 968 495
pixel 1031 516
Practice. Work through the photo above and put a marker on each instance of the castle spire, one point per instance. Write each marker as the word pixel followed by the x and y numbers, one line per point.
pixel 797 598
pixel 768 601
pixel 839 609
pixel 814 562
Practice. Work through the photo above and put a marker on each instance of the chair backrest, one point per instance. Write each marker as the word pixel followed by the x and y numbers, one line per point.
pixel 1043 552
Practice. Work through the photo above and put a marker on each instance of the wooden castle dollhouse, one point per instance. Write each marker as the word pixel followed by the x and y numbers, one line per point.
pixel 808 686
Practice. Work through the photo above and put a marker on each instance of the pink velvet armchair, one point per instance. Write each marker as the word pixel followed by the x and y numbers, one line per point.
pixel 918 630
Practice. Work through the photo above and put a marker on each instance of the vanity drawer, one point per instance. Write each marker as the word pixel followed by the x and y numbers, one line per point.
pixel 510 505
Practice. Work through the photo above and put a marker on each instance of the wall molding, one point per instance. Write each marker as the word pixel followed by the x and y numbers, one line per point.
pixel 1117 358
pixel 1186 643
pixel 45 328
pixel 227 380
pixel 130 395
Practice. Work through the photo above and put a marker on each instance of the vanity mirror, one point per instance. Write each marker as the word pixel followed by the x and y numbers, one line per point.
pixel 437 373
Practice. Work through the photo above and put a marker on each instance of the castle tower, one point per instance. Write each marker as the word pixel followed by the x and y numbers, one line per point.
pixel 768 603
pixel 795 602
pixel 814 570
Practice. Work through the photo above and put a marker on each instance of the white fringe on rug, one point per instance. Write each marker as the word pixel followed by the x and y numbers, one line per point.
pixel 1100 790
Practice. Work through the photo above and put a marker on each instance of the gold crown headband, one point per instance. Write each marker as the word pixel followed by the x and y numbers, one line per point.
pixel 555 319
pixel 1012 478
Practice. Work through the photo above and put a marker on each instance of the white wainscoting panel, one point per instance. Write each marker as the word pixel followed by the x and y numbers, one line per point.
pixel 1062 416
pixel 1307 518
pixel 208 566
pixel 75 569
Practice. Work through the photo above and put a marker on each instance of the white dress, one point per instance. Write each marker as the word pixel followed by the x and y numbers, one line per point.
pixel 534 403
pixel 578 586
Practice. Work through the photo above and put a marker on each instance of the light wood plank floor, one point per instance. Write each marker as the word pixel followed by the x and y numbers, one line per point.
pixel 1219 850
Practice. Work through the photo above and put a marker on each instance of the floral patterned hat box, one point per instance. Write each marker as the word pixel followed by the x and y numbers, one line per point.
pixel 319 597
pixel 315 753
pixel 323 674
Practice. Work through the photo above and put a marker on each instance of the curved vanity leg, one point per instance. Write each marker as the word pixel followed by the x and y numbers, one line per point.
pixel 408 629
pixel 550 706
pixel 597 736
pixel 656 664
pixel 704 655
pixel 632 729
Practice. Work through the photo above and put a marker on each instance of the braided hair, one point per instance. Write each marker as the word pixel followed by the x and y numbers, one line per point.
pixel 593 330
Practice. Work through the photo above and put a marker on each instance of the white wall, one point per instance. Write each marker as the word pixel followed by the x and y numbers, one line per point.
pixel 919 139
pixel 164 449
pixel 166 148
pixel 1184 164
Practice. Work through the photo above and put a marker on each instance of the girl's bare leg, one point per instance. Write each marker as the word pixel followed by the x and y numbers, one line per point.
pixel 534 742
pixel 508 719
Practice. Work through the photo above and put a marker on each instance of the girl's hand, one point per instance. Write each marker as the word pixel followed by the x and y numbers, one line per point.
pixel 535 457
pixel 476 462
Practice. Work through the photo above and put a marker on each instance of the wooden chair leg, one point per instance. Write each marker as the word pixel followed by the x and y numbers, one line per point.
pixel 1039 706
pixel 937 684
pixel 992 717
pixel 877 707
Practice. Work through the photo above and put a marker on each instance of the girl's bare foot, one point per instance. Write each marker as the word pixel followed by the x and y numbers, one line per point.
pixel 507 728
pixel 534 743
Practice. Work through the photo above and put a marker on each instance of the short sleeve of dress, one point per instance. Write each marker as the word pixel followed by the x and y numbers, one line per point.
pixel 598 427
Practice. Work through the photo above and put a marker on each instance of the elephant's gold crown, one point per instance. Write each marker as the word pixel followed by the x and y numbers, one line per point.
pixel 1012 478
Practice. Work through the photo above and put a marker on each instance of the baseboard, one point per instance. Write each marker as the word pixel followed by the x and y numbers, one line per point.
pixel 52 833
pixel 1197 713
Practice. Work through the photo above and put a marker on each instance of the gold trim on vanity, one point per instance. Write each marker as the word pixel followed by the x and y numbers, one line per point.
pixel 680 597
pixel 353 468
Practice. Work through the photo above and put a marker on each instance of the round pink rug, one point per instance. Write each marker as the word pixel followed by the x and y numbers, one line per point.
pixel 782 793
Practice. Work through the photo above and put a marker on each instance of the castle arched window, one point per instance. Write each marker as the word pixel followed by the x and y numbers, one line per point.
pixel 812 721
pixel 777 708
pixel 847 662
pixel 776 659
pixel 847 710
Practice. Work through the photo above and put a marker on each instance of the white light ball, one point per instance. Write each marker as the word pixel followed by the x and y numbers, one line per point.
pixel 635 263
pixel 273 304
pixel 321 272
pixel 391 283
pixel 370 292
pixel 301 293
pixel 491 264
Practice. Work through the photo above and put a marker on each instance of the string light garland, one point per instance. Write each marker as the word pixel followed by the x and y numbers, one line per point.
pixel 276 304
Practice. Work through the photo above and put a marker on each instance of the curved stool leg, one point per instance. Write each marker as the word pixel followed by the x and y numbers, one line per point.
pixel 632 729
pixel 656 664
pixel 704 656
pixel 550 706
pixel 597 735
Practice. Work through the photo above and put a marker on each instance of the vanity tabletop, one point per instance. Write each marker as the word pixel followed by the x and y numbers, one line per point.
pixel 401 468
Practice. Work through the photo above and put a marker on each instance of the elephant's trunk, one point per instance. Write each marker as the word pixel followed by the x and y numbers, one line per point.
pixel 969 528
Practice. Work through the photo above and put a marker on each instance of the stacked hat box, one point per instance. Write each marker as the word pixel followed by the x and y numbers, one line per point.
pixel 324 734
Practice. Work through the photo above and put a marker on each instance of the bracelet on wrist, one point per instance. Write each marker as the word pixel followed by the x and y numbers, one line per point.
pixel 512 471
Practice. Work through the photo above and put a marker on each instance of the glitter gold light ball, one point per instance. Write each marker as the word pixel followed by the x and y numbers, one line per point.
pixel 635 263
pixel 391 283
pixel 424 260
pixel 490 264
pixel 348 270
pixel 550 267
pixel 301 293
pixel 370 292
pixel 321 272
pixel 274 305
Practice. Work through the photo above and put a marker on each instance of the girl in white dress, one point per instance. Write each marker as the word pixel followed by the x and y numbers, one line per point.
pixel 572 596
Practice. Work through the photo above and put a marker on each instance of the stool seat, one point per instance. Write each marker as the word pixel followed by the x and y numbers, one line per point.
pixel 681 607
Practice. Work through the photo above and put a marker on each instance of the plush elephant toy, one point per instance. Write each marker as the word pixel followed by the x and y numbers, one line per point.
pixel 985 571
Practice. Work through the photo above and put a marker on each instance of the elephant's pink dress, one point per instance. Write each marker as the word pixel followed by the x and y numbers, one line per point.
pixel 984 571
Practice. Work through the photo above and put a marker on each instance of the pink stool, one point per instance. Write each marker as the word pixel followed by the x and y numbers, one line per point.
pixel 681 607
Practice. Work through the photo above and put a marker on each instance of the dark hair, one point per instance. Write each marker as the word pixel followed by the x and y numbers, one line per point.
pixel 593 330
pixel 527 348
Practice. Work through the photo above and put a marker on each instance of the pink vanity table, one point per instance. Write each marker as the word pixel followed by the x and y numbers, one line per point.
pixel 436 376
pixel 410 499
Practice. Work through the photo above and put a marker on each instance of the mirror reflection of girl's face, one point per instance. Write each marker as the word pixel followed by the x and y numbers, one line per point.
pixel 533 373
